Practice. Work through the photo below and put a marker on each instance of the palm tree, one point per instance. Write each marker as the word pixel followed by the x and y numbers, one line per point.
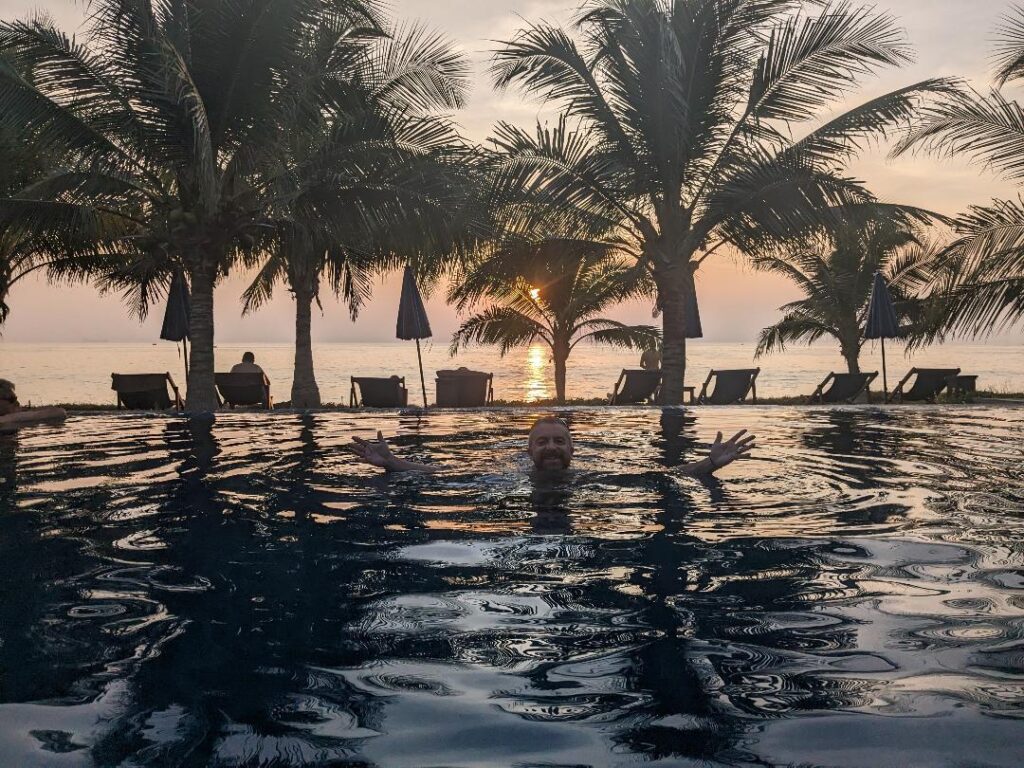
pixel 835 269
pixel 553 290
pixel 375 181
pixel 20 255
pixel 982 283
pixel 170 119
pixel 24 161
pixel 680 116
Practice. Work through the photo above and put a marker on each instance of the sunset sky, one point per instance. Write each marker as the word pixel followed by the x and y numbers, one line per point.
pixel 952 37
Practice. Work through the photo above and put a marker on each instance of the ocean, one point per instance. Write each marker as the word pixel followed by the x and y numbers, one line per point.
pixel 80 373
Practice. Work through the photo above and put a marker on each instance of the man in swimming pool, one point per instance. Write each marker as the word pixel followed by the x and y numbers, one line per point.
pixel 13 416
pixel 549 446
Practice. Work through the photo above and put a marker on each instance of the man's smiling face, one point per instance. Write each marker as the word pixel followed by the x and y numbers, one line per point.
pixel 550 445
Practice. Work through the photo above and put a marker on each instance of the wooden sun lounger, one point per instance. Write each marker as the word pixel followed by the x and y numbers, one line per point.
pixel 635 386
pixel 464 388
pixel 244 388
pixel 846 387
pixel 927 386
pixel 370 392
pixel 145 391
pixel 731 386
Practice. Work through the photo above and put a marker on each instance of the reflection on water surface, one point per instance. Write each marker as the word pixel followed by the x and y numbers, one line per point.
pixel 243 594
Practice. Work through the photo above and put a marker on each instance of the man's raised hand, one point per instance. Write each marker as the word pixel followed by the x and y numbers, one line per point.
pixel 374 452
pixel 723 454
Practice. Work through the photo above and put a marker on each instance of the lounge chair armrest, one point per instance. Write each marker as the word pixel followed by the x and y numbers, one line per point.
pixel 704 388
pixel 615 389
pixel 898 390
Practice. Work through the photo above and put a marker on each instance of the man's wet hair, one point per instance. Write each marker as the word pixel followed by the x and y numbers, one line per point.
pixel 549 420
pixel 7 392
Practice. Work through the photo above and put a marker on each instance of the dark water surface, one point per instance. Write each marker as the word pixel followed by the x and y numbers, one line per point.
pixel 246 595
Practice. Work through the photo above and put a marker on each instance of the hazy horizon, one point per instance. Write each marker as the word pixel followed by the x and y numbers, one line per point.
pixel 735 302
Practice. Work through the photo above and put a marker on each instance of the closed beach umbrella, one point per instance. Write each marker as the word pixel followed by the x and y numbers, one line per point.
pixel 693 327
pixel 412 320
pixel 177 314
pixel 882 321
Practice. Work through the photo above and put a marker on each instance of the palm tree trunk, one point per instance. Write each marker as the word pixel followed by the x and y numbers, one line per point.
pixel 852 361
pixel 201 395
pixel 850 349
pixel 305 392
pixel 560 352
pixel 675 292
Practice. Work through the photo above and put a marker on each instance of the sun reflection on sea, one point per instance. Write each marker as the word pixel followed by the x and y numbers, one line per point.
pixel 538 363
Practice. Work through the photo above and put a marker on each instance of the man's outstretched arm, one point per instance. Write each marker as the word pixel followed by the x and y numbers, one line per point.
pixel 721 454
pixel 378 454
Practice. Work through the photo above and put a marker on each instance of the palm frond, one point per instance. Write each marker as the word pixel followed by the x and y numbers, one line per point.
pixel 843 136
pixel 988 128
pixel 415 69
pixel 1009 47
pixel 501 326
pixel 261 290
pixel 620 335
pixel 792 328
pixel 811 61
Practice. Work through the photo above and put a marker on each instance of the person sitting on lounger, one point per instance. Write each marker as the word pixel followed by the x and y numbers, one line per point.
pixel 13 416
pixel 550 448
pixel 248 365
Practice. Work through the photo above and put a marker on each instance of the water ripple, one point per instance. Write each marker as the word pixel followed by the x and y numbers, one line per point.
pixel 245 593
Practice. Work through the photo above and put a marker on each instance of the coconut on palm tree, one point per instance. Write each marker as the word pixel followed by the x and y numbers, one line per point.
pixel 375 181
pixel 169 118
pixel 834 269
pixel 681 120
pixel 554 290
pixel 981 284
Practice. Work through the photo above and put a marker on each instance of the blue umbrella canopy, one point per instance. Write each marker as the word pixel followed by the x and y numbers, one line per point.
pixel 178 314
pixel 178 311
pixel 412 316
pixel 882 321
pixel 412 320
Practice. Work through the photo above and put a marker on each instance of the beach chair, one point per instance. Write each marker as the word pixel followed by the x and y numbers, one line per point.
pixel 369 392
pixel 962 387
pixel 245 388
pixel 927 386
pixel 464 388
pixel 145 391
pixel 635 386
pixel 731 386
pixel 846 387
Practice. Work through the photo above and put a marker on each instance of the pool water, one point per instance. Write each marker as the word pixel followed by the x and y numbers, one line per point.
pixel 246 594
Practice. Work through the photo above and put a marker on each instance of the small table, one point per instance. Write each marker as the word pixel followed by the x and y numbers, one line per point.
pixel 690 391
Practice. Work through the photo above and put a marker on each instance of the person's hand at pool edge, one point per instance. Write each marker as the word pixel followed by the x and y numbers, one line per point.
pixel 721 454
pixel 378 453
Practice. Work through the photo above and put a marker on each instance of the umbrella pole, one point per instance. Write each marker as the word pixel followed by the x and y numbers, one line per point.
pixel 885 375
pixel 423 383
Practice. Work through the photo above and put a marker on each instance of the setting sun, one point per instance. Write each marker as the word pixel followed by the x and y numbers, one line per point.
pixel 535 293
